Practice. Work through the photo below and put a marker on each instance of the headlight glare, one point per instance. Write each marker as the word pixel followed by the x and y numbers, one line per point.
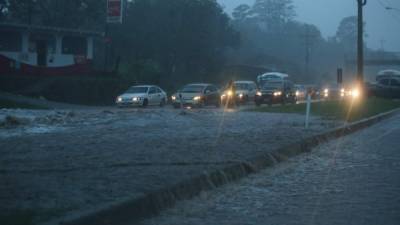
pixel 197 98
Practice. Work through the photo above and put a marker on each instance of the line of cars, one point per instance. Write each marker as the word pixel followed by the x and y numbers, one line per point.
pixel 194 95
pixel 271 88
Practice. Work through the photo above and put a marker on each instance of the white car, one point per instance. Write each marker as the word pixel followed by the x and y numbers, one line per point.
pixel 142 95
pixel 245 90
pixel 197 95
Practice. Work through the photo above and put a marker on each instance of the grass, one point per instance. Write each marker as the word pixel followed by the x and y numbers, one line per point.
pixel 29 216
pixel 7 104
pixel 23 217
pixel 342 110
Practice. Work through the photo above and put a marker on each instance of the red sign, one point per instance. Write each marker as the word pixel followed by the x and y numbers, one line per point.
pixel 114 11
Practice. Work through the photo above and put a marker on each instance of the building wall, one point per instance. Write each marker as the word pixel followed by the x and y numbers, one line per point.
pixel 19 52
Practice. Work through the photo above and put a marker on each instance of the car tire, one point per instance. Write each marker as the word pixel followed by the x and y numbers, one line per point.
pixel 246 99
pixel 162 103
pixel 218 104
pixel 145 103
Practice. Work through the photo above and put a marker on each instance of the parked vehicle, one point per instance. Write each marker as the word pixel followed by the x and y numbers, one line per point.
pixel 142 95
pixel 273 90
pixel 197 95
pixel 388 86
pixel 244 91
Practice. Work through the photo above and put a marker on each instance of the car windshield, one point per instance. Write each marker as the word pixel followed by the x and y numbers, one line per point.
pixel 136 90
pixel 192 89
pixel 273 85
pixel 241 86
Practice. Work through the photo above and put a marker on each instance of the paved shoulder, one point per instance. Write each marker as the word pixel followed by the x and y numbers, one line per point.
pixel 353 180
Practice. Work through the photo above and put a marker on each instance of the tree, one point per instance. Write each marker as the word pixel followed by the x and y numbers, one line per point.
pixel 241 12
pixel 346 34
pixel 273 13
pixel 186 39
pixel 82 14
pixel 3 9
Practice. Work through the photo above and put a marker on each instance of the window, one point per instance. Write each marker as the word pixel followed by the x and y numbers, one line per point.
pixel 395 83
pixel 384 82
pixel 136 90
pixel 212 88
pixel 152 90
pixel 10 41
pixel 74 46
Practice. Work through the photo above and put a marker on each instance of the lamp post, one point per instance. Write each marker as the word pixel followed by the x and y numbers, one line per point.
pixel 360 42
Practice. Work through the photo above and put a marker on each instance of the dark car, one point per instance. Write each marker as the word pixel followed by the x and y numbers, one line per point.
pixel 387 88
pixel 276 92
pixel 197 95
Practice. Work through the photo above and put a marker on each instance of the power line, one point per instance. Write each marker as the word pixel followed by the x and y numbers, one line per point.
pixel 387 8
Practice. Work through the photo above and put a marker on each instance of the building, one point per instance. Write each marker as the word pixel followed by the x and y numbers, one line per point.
pixel 27 49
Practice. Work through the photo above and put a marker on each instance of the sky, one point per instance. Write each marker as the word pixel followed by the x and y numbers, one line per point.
pixel 382 26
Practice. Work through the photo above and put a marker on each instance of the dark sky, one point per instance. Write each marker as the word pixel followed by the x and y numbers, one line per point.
pixel 383 26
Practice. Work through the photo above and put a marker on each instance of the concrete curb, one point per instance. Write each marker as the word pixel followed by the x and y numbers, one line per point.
pixel 134 210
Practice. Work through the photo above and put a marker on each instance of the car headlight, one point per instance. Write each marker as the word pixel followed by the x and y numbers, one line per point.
pixel 197 98
pixel 297 93
pixel 223 96
pixel 277 93
pixel 119 99
pixel 326 91
pixel 173 97
pixel 259 93
pixel 240 95
pixel 355 93
pixel 229 93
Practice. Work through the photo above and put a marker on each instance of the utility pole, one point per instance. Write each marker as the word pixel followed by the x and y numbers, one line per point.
pixel 360 42
pixel 308 43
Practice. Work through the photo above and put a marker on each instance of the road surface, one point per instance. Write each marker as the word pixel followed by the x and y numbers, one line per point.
pixel 56 162
pixel 352 180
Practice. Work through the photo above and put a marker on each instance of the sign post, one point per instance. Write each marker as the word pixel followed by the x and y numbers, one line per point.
pixel 308 110
pixel 339 76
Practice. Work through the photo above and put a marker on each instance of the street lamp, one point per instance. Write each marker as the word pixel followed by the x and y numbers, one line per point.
pixel 360 42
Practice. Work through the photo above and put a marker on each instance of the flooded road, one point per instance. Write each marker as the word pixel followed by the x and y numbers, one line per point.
pixel 352 180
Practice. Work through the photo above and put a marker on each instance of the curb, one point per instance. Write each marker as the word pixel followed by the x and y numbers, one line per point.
pixel 135 210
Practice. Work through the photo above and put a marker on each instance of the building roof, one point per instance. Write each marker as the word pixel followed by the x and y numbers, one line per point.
pixel 47 29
